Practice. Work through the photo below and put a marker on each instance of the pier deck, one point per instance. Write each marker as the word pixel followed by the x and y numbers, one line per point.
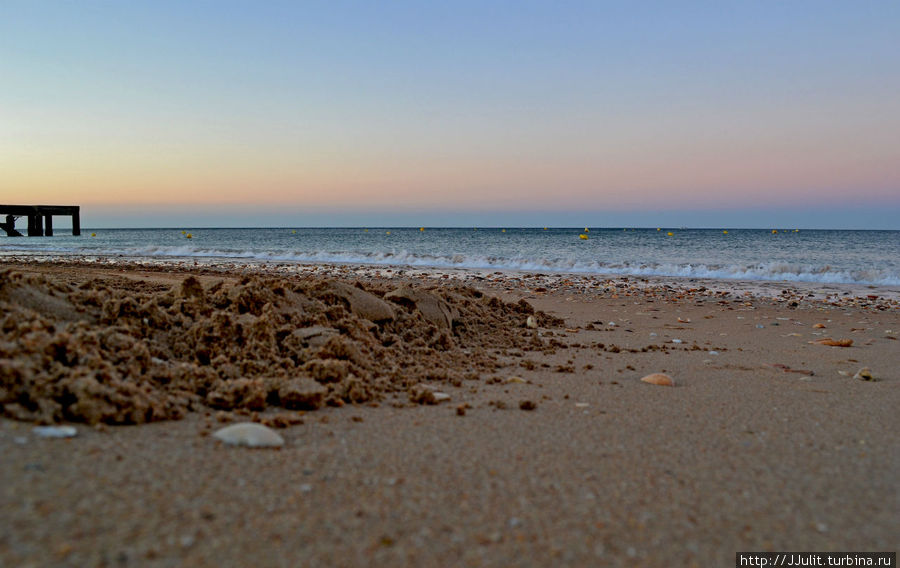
pixel 40 218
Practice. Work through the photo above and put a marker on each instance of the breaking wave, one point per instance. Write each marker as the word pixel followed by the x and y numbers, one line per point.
pixel 766 271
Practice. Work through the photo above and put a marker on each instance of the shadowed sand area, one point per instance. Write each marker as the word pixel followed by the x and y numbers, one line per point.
pixel 766 442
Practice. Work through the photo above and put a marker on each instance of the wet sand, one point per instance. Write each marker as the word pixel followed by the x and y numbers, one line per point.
pixel 766 442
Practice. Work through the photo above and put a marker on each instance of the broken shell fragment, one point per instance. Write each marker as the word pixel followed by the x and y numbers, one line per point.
pixel 864 374
pixel 819 326
pixel 834 342
pixel 531 322
pixel 54 431
pixel 249 434
pixel 659 379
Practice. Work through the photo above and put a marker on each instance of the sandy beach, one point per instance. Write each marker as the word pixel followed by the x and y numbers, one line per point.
pixel 440 418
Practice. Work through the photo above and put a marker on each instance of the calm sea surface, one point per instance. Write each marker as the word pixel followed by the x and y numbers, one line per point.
pixel 848 257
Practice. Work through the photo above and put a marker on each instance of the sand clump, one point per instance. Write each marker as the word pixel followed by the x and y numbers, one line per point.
pixel 117 351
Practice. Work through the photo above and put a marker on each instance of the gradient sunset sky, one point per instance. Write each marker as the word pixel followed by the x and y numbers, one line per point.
pixel 742 114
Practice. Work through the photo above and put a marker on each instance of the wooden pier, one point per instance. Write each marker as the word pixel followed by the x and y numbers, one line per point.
pixel 40 218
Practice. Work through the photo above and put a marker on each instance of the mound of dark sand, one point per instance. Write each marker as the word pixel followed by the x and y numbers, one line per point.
pixel 122 352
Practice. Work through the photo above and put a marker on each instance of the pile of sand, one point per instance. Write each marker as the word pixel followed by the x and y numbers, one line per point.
pixel 122 352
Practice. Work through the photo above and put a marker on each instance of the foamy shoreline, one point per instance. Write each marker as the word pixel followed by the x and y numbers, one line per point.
pixel 574 281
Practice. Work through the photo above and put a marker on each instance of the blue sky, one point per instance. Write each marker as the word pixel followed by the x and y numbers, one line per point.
pixel 339 113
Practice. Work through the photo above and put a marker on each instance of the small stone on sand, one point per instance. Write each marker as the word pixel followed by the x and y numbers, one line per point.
pixel 250 435
pixel 659 379
pixel 531 323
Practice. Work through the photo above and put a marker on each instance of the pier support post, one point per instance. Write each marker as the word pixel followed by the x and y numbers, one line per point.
pixel 76 222
pixel 48 225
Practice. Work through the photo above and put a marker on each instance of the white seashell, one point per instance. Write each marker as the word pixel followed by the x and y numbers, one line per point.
pixel 676 341
pixel 440 397
pixel 531 322
pixel 54 431
pixel 249 434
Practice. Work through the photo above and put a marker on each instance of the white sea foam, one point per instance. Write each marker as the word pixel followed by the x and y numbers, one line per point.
pixel 860 263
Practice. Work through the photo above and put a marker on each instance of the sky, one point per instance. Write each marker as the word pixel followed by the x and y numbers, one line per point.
pixel 247 113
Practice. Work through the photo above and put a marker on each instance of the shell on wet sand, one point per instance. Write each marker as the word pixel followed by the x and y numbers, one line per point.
pixel 864 374
pixel 54 431
pixel 835 342
pixel 659 379
pixel 249 434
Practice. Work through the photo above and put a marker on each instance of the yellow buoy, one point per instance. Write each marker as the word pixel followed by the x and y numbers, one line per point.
pixel 669 234
pixel 586 230
pixel 93 234
pixel 502 230
pixel 724 232
pixel 190 236
pixel 421 228
pixel 583 237
pixel 293 232
pixel 774 231
pixel 387 232
pixel 365 230
pixel 183 232
pixel 545 228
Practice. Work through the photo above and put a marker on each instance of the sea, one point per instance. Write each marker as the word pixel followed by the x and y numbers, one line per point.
pixel 870 258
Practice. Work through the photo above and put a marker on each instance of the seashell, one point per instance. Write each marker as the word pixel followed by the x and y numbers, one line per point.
pixel 54 431
pixel 834 342
pixel 427 394
pixel 659 379
pixel 864 374
pixel 531 322
pixel 819 326
pixel 440 397
pixel 515 380
pixel 249 434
